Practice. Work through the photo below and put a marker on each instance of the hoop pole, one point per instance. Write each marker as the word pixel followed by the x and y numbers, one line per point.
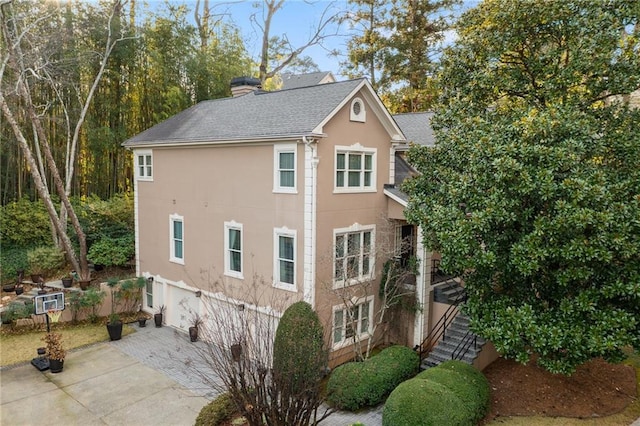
pixel 48 328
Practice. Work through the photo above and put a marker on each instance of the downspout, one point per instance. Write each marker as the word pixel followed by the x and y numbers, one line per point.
pixel 311 178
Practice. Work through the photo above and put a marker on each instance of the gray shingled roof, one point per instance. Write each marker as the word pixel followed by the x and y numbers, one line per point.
pixel 256 115
pixel 294 81
pixel 416 127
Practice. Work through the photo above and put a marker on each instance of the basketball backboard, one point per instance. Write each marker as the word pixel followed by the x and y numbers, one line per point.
pixel 48 302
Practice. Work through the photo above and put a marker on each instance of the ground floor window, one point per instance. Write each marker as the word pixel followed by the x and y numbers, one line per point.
pixel 352 322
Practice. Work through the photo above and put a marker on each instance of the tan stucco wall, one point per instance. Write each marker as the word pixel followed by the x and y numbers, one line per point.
pixel 208 186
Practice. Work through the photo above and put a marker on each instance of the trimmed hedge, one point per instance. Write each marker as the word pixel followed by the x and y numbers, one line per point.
pixel 217 411
pixel 299 356
pixel 419 402
pixel 364 384
pixel 422 401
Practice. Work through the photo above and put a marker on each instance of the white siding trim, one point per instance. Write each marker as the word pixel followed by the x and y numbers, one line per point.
pixel 423 287
pixel 309 244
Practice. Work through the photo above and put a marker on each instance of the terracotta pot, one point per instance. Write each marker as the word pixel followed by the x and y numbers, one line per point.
pixel 84 284
pixel 35 278
pixel 67 282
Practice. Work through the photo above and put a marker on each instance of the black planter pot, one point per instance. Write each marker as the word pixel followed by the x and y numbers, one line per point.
pixel 67 282
pixel 115 330
pixel 157 318
pixel 19 290
pixel 9 288
pixel 142 322
pixel 193 333
pixel 56 365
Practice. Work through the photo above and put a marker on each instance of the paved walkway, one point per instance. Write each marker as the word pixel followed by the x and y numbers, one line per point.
pixel 150 377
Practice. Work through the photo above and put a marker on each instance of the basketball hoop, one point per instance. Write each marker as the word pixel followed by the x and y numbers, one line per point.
pixel 54 316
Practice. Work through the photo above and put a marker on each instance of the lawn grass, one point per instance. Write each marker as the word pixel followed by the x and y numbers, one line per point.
pixel 20 345
pixel 623 418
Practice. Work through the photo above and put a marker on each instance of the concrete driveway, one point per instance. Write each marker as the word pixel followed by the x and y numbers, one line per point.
pixel 99 385
pixel 150 377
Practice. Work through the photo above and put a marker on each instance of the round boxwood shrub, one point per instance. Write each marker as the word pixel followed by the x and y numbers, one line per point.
pixel 364 384
pixel 217 411
pixel 419 402
pixel 465 381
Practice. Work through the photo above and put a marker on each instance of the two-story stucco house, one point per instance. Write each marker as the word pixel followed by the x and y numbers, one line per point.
pixel 295 186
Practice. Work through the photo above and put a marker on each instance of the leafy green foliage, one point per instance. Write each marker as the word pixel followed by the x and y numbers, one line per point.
pixel 12 260
pixel 419 402
pixel 217 411
pixel 24 224
pixel 86 304
pixel 44 260
pixel 16 311
pixel 299 355
pixel 531 193
pixel 365 384
pixel 466 382
pixel 112 251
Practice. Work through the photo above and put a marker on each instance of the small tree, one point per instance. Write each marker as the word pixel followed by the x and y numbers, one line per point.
pixel 238 335
pixel 299 359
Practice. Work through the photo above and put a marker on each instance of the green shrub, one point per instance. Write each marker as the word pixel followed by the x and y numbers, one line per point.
pixel 12 259
pixel 299 355
pixel 112 251
pixel 45 260
pixel 466 382
pixel 112 218
pixel 24 224
pixel 217 411
pixel 86 304
pixel 363 384
pixel 419 402
pixel 16 311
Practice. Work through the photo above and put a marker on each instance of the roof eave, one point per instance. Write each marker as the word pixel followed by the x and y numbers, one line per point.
pixel 226 141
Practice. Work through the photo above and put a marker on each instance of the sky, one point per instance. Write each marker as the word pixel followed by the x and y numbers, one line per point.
pixel 296 21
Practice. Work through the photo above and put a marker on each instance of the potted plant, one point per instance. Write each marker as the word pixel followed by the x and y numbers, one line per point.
pixel 19 289
pixel 54 351
pixel 196 321
pixel 67 281
pixel 157 317
pixel 114 325
pixel 142 321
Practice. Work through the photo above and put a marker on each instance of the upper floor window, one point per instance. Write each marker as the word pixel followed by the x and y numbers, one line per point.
pixel 144 165
pixel 357 112
pixel 284 179
pixel 352 323
pixel 355 169
pixel 176 229
pixel 233 249
pixel 285 258
pixel 354 254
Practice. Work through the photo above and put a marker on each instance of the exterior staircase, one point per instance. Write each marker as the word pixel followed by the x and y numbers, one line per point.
pixel 457 342
pixel 450 337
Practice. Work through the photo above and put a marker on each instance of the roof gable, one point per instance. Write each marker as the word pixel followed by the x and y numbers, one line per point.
pixel 261 115
pixel 416 127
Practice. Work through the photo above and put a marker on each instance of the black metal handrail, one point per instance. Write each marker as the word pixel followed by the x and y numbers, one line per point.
pixel 465 344
pixel 439 330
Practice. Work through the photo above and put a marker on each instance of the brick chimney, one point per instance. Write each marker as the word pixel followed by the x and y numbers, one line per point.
pixel 243 85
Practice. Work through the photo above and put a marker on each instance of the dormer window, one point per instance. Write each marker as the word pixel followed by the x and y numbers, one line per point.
pixel 358 112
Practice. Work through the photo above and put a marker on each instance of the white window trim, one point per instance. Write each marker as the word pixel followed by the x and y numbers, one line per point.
pixel 227 259
pixel 277 149
pixel 361 116
pixel 172 255
pixel 359 336
pixel 357 148
pixel 356 227
pixel 284 232
pixel 137 155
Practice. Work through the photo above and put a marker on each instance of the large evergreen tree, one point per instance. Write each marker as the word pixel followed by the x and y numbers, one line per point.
pixel 532 192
